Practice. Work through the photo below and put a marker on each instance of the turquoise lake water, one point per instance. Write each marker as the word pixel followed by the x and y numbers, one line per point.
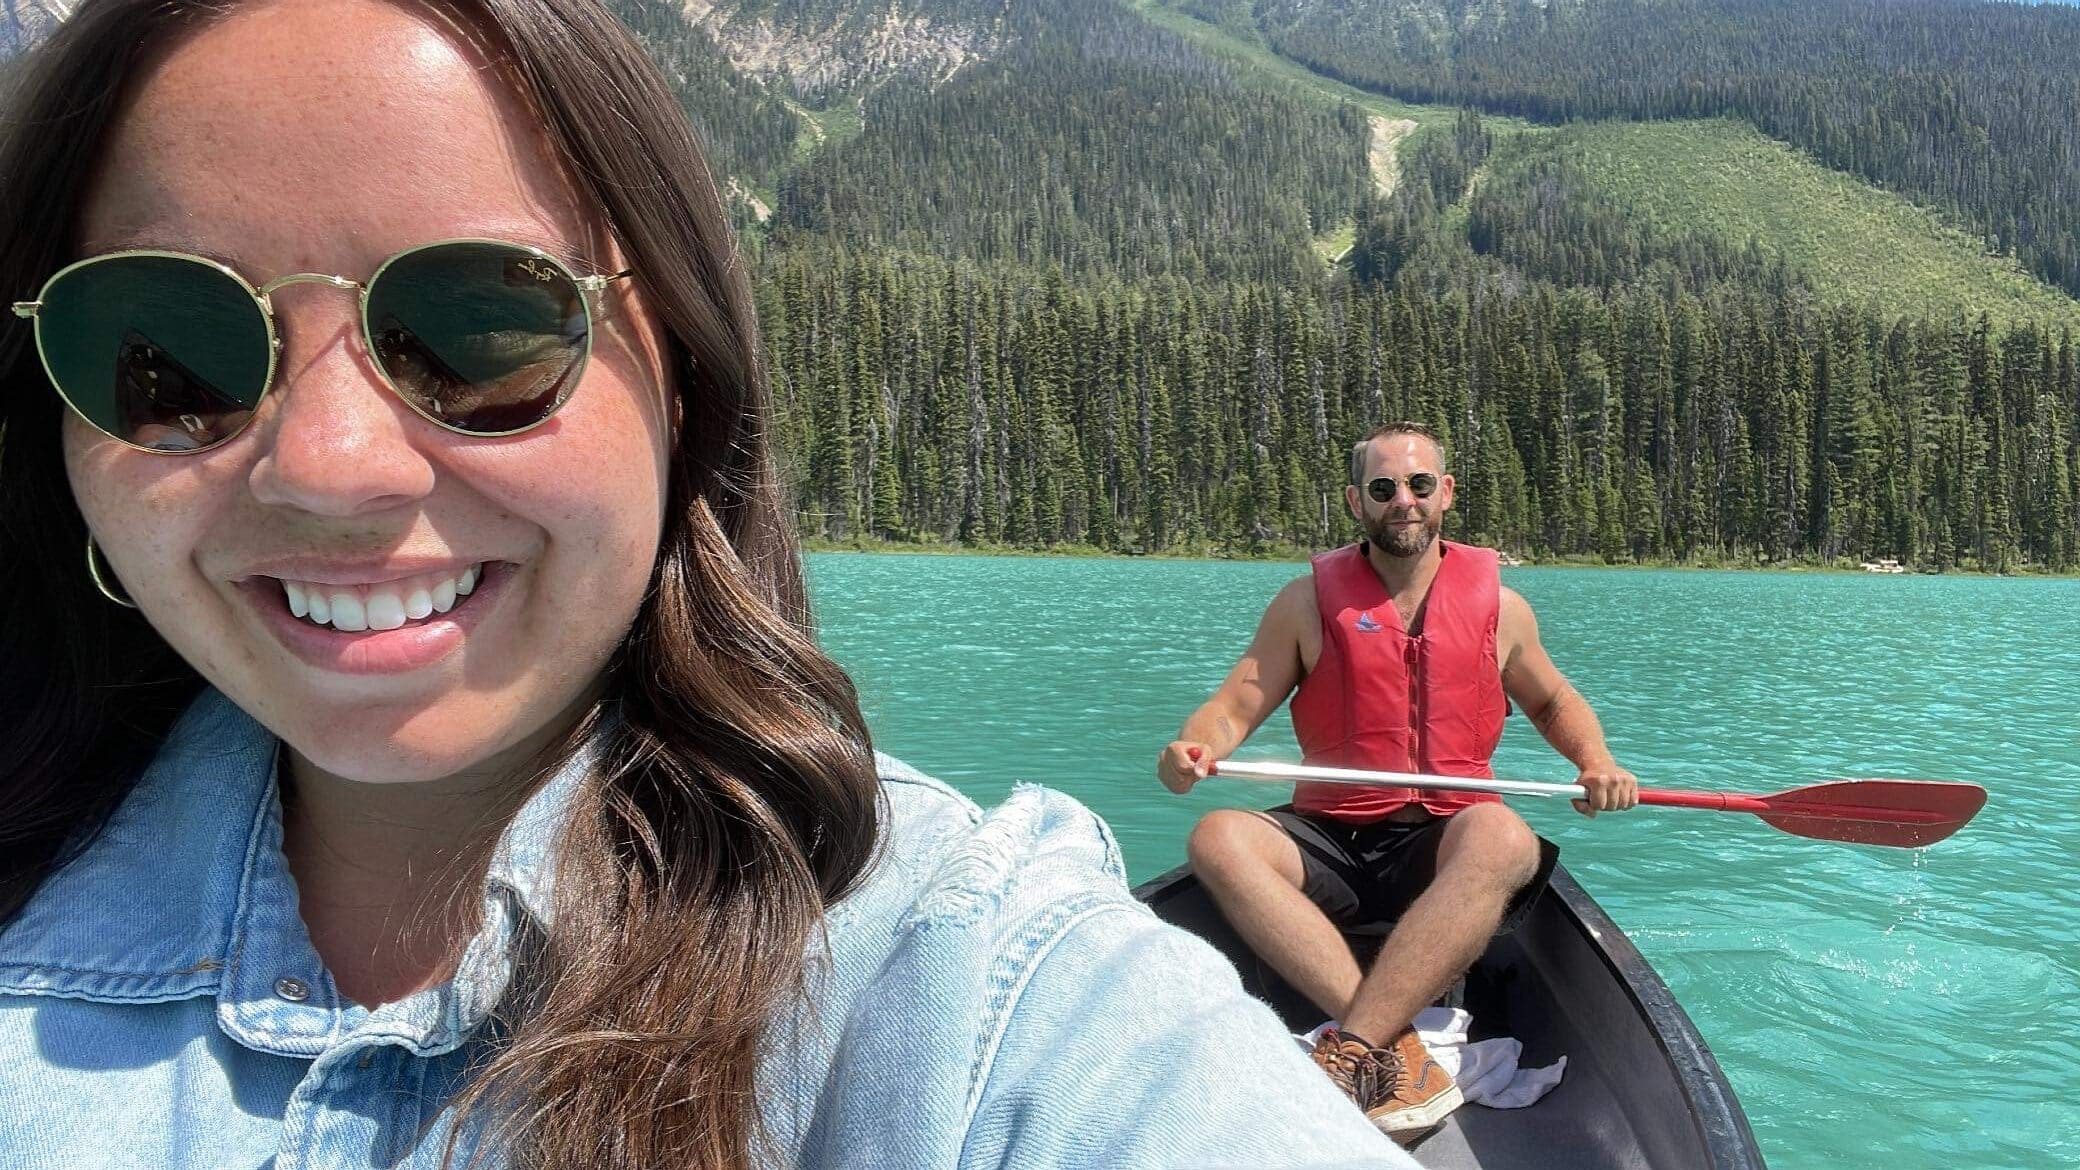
pixel 1873 1007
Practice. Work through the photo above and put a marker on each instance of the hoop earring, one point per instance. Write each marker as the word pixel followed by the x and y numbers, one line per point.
pixel 94 571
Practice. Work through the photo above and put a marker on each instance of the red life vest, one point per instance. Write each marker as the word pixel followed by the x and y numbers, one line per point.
pixel 1382 700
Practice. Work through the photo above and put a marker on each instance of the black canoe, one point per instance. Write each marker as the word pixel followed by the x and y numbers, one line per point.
pixel 1642 1091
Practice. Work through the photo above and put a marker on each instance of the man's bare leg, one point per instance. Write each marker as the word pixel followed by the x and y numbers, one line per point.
pixel 1252 869
pixel 1487 854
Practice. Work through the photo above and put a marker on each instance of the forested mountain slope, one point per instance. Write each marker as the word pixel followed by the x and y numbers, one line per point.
pixel 1966 107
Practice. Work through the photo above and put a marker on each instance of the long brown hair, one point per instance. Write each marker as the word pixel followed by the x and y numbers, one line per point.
pixel 734 795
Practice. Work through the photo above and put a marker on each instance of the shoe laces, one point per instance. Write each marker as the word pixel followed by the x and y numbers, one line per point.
pixel 1367 1075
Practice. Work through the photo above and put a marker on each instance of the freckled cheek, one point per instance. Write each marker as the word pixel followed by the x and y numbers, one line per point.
pixel 596 489
pixel 601 530
pixel 600 507
pixel 149 513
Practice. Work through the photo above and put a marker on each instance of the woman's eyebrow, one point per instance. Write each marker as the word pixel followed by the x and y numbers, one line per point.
pixel 566 249
pixel 561 248
pixel 147 243
pixel 146 240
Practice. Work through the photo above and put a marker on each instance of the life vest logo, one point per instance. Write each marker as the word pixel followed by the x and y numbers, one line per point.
pixel 1367 624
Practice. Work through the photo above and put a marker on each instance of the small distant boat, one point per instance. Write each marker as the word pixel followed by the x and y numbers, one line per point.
pixel 1642 1090
pixel 1887 565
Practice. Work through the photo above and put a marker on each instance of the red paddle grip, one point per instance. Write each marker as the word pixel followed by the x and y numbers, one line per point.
pixel 1720 801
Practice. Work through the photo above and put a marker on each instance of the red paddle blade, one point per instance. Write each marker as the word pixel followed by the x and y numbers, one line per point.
pixel 1905 814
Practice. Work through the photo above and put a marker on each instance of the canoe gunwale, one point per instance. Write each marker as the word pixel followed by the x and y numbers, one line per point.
pixel 1722 1123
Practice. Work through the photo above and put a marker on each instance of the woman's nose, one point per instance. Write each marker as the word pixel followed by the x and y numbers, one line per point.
pixel 336 441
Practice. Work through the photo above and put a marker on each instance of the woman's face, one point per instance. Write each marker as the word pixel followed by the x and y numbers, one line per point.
pixel 324 136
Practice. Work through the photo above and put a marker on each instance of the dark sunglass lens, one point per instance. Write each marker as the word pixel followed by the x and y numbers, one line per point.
pixel 1421 484
pixel 159 351
pixel 1381 489
pixel 484 338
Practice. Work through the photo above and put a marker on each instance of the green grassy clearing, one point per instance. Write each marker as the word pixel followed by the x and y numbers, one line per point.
pixel 1857 243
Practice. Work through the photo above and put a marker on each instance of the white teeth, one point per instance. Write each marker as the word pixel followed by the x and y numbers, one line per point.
pixel 347 613
pixel 385 611
pixel 388 606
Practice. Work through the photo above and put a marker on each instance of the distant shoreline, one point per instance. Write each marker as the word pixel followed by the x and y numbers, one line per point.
pixel 1285 554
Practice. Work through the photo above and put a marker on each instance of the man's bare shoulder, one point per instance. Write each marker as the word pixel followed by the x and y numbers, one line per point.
pixel 1514 605
pixel 1295 601
pixel 1289 614
pixel 1515 624
pixel 1292 619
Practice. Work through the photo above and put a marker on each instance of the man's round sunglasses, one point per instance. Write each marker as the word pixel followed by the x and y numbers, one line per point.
pixel 171 353
pixel 1420 485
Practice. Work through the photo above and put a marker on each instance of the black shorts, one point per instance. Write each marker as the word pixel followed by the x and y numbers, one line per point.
pixel 1365 876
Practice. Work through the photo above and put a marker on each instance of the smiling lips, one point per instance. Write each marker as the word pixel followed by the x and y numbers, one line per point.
pixel 384 605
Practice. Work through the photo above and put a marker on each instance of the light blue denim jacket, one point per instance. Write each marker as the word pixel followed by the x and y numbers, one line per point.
pixel 989 996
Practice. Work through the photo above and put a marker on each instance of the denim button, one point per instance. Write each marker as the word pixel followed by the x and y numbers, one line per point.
pixel 292 989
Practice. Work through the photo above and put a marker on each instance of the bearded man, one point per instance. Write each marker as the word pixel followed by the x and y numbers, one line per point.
pixel 1406 652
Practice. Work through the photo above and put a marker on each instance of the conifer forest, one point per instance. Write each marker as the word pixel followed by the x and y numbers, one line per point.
pixel 1103 286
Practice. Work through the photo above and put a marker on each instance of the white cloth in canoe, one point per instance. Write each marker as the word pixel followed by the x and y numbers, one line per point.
pixel 1486 1070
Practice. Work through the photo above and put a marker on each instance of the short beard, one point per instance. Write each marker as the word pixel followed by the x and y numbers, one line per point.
pixel 1400 542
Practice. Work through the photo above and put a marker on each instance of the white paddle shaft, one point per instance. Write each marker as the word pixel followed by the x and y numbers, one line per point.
pixel 1287 773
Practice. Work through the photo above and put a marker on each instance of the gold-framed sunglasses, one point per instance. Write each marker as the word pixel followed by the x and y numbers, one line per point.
pixel 1421 485
pixel 171 353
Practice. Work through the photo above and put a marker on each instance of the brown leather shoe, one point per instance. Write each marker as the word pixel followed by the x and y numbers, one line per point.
pixel 1425 1096
pixel 1402 1089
